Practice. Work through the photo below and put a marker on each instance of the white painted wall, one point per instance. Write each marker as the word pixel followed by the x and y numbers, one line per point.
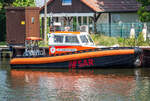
pixel 124 17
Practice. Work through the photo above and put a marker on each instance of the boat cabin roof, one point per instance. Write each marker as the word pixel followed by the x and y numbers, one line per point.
pixel 65 32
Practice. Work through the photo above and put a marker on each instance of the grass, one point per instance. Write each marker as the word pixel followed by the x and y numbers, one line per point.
pixel 3 43
pixel 123 42
pixel 104 40
pixel 42 44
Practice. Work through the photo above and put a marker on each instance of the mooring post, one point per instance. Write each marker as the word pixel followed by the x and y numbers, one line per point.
pixel 0 55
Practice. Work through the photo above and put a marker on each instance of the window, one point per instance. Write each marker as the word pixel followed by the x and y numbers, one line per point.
pixel 90 39
pixel 58 38
pixel 71 39
pixel 66 2
pixel 84 39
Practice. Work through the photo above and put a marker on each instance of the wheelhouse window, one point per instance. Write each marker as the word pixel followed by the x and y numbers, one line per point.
pixel 84 39
pixel 72 39
pixel 90 39
pixel 66 2
pixel 58 38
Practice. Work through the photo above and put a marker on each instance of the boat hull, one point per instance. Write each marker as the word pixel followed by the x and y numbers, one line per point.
pixel 106 61
pixel 99 59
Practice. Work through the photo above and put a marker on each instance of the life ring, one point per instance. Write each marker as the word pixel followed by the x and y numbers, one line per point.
pixel 52 50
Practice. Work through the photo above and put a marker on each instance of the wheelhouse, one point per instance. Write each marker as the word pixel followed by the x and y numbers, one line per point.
pixel 70 38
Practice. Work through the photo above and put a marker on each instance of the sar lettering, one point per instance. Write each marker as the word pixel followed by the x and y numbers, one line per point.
pixel 81 63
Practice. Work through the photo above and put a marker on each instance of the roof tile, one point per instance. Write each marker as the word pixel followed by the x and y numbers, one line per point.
pixel 112 5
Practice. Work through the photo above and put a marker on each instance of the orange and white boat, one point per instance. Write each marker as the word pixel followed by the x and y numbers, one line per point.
pixel 75 50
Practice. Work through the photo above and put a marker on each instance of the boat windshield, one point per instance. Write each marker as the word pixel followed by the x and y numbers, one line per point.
pixel 71 39
pixel 90 39
pixel 58 38
pixel 84 39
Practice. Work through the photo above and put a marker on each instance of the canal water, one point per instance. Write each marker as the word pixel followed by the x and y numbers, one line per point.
pixel 74 85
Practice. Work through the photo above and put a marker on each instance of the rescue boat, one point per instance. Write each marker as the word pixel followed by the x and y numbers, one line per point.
pixel 74 50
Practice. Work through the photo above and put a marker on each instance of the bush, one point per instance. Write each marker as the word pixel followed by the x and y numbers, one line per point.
pixel 104 40
pixel 123 42
pixel 2 43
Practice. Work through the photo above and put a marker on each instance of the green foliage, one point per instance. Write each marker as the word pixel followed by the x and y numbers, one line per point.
pixel 130 42
pixel 23 3
pixel 104 40
pixel 140 40
pixel 144 2
pixel 5 3
pixel 123 42
pixel 0 5
pixel 16 3
pixel 144 14
pixel 2 43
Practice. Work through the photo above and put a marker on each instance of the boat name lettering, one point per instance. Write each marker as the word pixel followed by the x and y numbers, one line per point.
pixel 81 63
pixel 61 49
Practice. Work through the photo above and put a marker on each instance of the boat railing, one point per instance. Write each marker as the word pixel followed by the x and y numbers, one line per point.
pixel 32 47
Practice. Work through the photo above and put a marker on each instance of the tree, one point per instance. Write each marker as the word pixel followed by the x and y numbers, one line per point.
pixel 16 3
pixel 23 3
pixel 143 12
pixel 4 3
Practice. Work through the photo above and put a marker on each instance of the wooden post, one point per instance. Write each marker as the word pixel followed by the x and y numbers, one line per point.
pixel 81 20
pixel 95 18
pixel 0 56
pixel 77 23
pixel 42 28
pixel 110 24
pixel 45 18
pixel 49 21
pixel 69 20
pixel 87 18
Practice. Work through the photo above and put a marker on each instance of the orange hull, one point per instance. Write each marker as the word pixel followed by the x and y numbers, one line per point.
pixel 79 56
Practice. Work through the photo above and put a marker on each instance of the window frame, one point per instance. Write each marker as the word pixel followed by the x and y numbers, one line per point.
pixel 59 42
pixel 71 42
pixel 64 3
pixel 86 39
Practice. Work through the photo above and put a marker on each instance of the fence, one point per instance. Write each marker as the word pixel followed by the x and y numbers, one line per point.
pixel 120 30
pixel 115 30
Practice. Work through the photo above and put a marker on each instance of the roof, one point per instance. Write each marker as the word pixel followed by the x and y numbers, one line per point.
pixel 112 5
pixel 109 5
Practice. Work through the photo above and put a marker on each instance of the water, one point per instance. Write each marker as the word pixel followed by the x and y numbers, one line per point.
pixel 74 85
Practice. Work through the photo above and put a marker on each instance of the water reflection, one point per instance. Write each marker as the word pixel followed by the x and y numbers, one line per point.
pixel 75 85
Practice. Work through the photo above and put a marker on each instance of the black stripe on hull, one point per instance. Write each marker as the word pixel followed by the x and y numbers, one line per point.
pixel 100 62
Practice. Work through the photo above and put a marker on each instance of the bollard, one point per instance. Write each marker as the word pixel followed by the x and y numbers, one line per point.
pixel 0 55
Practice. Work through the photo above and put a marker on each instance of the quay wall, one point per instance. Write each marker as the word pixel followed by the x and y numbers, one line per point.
pixel 5 52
